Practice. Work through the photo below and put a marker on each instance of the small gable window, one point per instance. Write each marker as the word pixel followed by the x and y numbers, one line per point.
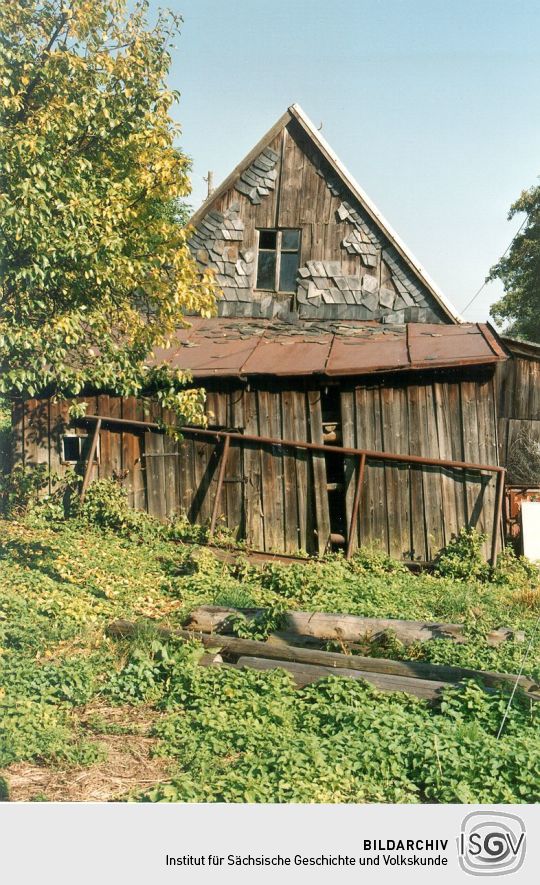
pixel 278 260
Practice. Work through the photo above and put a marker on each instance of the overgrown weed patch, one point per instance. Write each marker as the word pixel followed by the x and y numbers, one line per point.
pixel 249 736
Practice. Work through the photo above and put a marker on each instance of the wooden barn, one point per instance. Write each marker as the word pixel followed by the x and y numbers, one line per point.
pixel 347 402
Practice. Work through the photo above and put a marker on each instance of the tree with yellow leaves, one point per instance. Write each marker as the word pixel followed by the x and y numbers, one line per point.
pixel 95 266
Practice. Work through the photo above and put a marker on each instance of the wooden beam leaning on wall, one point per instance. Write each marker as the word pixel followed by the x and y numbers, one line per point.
pixel 342 450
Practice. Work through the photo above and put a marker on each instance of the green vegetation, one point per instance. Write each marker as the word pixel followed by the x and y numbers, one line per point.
pixel 93 184
pixel 244 735
pixel 519 271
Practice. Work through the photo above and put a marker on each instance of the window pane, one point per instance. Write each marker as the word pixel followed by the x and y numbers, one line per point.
pixel 288 271
pixel 266 270
pixel 72 448
pixel 290 240
pixel 267 239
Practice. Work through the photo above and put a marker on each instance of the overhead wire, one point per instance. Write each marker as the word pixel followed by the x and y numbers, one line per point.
pixel 484 284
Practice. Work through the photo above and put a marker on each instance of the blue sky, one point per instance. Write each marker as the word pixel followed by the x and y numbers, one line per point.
pixel 431 104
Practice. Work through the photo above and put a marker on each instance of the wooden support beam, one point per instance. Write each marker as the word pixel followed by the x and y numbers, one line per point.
pixel 497 517
pixel 221 476
pixel 356 506
pixel 90 462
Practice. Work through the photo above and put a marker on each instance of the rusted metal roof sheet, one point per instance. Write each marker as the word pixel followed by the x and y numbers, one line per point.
pixel 246 347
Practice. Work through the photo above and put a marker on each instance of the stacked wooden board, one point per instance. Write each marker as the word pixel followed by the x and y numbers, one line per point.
pixel 288 651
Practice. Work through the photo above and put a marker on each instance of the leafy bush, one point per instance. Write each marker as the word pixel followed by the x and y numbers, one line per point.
pixel 35 488
pixel 106 505
pixel 462 558
pixel 515 571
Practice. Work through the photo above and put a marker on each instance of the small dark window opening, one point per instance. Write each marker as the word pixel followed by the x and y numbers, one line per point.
pixel 76 448
pixel 72 448
pixel 278 260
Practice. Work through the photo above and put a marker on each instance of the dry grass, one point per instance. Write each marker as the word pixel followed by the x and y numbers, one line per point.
pixel 129 765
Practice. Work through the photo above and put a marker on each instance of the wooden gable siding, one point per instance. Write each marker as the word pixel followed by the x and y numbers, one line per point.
pixel 359 274
pixel 277 499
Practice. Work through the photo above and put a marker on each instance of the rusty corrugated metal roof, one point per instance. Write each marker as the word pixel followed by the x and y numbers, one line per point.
pixel 242 347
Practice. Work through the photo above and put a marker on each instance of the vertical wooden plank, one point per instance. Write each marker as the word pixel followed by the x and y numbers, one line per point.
pixel 396 440
pixel 155 474
pixel 417 505
pixel 129 452
pixel 350 465
pixel 36 432
pixel 272 471
pixel 292 541
pixel 234 476
pixel 116 438
pixel 304 475
pixel 18 453
pixel 170 459
pixel 433 497
pixel 174 464
pixel 471 445
pixel 58 424
pixel 456 442
pixel 104 466
pixel 139 489
pixel 253 504
pixel 487 454
pixel 217 404
pixel 450 479
pixel 205 460
pixel 319 472
pixel 373 517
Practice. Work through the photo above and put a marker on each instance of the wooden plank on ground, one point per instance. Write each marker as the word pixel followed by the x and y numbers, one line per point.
pixel 305 674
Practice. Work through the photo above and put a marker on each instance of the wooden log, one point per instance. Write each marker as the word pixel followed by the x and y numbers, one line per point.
pixel 231 647
pixel 347 628
pixel 305 674
pixel 324 625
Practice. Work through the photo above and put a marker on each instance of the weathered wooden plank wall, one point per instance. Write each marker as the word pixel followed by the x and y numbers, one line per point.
pixel 518 390
pixel 276 498
pixel 410 511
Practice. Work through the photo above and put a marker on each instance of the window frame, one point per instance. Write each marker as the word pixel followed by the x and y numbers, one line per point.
pixel 278 250
pixel 83 441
